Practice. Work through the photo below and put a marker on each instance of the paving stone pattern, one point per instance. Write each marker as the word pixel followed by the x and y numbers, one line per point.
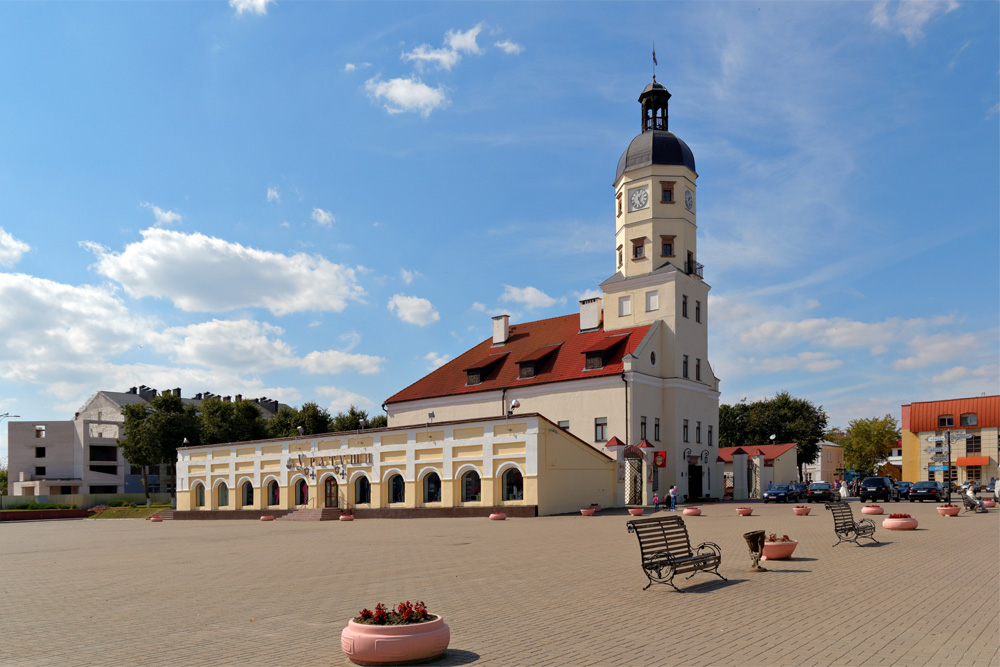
pixel 545 591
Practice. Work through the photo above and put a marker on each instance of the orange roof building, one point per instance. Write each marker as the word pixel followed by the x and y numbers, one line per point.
pixel 971 425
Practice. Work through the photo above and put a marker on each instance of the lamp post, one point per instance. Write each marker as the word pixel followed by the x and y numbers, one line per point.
pixel 7 415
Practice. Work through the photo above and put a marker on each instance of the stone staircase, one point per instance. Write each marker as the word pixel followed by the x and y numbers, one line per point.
pixel 166 515
pixel 313 514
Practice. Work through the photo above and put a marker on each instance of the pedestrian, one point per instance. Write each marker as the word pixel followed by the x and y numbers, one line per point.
pixel 971 493
pixel 673 498
pixel 656 502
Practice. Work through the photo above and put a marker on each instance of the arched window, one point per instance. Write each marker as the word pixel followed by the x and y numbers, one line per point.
pixel 301 492
pixel 199 495
pixel 470 487
pixel 273 495
pixel 513 485
pixel 362 491
pixel 397 489
pixel 223 495
pixel 432 488
pixel 247 494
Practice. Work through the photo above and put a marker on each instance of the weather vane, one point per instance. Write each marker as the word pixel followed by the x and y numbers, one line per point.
pixel 654 61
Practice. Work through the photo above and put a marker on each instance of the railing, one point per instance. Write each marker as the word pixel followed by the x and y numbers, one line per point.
pixel 692 267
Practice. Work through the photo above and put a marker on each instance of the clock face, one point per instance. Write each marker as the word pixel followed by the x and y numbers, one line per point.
pixel 638 199
pixel 688 199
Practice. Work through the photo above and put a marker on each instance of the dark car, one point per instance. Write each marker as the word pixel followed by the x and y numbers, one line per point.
pixel 879 488
pixel 800 491
pixel 904 490
pixel 820 491
pixel 927 491
pixel 779 493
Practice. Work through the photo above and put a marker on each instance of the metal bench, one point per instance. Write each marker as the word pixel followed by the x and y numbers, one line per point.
pixel 666 550
pixel 847 529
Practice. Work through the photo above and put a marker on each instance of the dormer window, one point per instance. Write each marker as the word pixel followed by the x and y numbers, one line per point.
pixel 480 371
pixel 595 361
pixel 968 419
pixel 946 421
pixel 598 354
pixel 473 377
pixel 527 370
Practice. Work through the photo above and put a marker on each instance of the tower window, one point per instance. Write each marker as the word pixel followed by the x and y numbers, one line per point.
pixel 684 305
pixel 684 366
pixel 667 192
pixel 697 311
pixel 667 246
pixel 697 369
pixel 652 301
pixel 639 248
pixel 619 205
pixel 624 306
pixel 619 257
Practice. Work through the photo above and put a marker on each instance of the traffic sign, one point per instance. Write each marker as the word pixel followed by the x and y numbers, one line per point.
pixel 937 467
pixel 936 450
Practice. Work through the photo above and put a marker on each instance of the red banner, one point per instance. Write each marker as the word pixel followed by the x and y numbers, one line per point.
pixel 660 459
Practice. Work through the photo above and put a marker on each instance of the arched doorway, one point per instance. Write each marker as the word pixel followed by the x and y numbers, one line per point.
pixel 247 494
pixel 362 491
pixel 301 492
pixel 330 494
pixel 633 478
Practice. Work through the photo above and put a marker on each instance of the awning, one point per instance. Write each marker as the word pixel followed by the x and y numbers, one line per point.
pixel 973 460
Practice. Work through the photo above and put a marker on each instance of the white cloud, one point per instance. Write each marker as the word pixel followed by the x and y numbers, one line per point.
pixel 334 361
pixel 435 360
pixel 322 217
pixel 11 249
pixel 163 218
pixel 814 362
pixel 258 7
pixel 351 67
pixel 442 58
pixel 407 95
pixel 937 348
pixel 413 309
pixel 200 273
pixel 531 297
pixel 509 47
pixel 408 276
pixel 479 307
pixel 341 400
pixel 464 41
pixel 239 345
pixel 273 195
pixel 910 16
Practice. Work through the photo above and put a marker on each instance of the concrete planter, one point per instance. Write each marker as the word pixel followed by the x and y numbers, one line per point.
pixel 498 516
pixel 801 511
pixel 899 524
pixel 744 511
pixel 778 550
pixel 871 509
pixel 395 644
pixel 588 511
pixel 692 511
pixel 635 511
pixel 949 511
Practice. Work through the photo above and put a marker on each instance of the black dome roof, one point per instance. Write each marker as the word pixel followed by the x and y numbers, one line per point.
pixel 655 147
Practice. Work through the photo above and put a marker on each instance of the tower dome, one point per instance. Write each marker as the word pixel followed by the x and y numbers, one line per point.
pixel 656 144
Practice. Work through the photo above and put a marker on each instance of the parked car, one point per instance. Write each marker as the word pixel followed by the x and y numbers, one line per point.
pixel 879 488
pixel 904 490
pixel 820 491
pixel 800 491
pixel 927 491
pixel 779 493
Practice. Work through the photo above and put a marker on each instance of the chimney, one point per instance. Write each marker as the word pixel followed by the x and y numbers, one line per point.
pixel 177 392
pixel 227 399
pixel 133 390
pixel 501 329
pixel 239 397
pixel 590 313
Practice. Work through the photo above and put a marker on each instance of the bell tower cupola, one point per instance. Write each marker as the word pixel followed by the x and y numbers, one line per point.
pixel 654 101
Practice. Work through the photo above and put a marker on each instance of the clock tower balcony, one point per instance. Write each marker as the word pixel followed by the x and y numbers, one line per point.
pixel 693 268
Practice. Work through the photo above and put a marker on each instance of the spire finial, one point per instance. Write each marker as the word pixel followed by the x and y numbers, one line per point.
pixel 654 60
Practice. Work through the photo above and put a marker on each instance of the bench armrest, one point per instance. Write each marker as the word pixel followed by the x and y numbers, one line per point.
pixel 709 549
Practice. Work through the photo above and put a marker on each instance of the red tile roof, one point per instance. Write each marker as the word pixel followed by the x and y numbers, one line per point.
pixel 525 342
pixel 920 417
pixel 770 452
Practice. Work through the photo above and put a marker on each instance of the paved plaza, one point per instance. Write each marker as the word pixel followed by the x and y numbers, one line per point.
pixel 561 590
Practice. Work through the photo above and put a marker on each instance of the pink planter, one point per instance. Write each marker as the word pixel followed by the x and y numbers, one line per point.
pixel 989 503
pixel 497 516
pixel 744 511
pixel 587 512
pixel 267 517
pixel 156 519
pixel 949 511
pixel 801 511
pixel 391 644
pixel 692 511
pixel 899 524
pixel 635 511
pixel 347 517
pixel 778 550
pixel 874 509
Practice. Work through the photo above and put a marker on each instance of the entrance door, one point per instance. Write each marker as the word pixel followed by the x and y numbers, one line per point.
pixel 694 483
pixel 633 480
pixel 330 491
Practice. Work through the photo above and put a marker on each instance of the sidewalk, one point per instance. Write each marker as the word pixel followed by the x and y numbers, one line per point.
pixel 545 591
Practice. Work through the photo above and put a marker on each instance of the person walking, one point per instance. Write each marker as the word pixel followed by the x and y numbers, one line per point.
pixel 673 498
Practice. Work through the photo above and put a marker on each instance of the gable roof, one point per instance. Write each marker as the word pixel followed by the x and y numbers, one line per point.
pixel 770 452
pixel 562 359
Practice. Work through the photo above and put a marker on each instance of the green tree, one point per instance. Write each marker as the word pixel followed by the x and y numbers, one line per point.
pixel 350 420
pixel 237 421
pixel 314 419
pixel 137 444
pixel 869 442
pixel 787 418
pixel 152 433
pixel 3 477
pixel 378 421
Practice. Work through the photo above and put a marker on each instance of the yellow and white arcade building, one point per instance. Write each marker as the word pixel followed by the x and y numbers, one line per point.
pixel 619 400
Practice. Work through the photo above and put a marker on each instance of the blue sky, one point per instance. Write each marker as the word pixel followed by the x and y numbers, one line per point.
pixel 323 201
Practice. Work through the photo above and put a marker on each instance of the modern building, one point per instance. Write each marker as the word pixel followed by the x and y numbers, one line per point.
pixel 81 456
pixel 629 374
pixel 971 425
pixel 523 465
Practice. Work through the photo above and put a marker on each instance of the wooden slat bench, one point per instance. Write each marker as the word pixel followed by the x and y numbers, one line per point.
pixel 847 529
pixel 666 550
